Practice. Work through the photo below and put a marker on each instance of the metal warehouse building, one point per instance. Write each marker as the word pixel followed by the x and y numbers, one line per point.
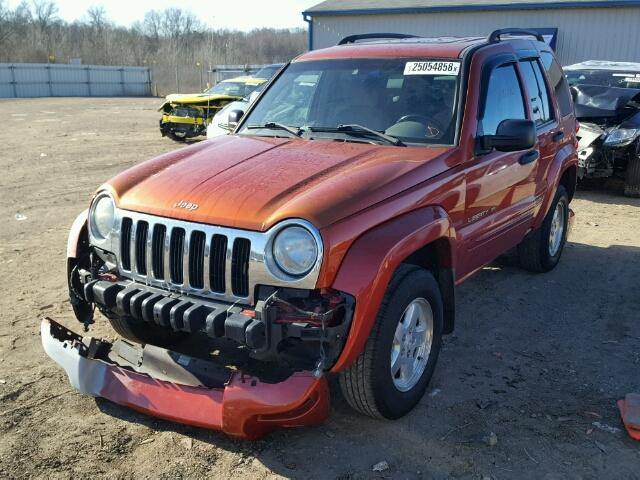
pixel 578 29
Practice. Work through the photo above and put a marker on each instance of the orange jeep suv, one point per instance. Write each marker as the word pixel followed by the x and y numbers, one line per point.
pixel 326 235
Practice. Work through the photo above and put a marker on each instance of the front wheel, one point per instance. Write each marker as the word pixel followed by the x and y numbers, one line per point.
pixel 391 374
pixel 176 138
pixel 540 251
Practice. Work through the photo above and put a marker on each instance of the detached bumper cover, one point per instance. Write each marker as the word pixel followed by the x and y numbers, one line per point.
pixel 630 412
pixel 243 406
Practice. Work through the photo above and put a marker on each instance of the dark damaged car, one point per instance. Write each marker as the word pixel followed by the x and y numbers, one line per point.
pixel 607 104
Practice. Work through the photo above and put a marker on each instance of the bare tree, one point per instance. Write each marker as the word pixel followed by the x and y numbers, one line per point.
pixel 97 17
pixel 5 30
pixel 44 14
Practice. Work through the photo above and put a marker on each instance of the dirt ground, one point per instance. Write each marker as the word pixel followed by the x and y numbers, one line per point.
pixel 539 360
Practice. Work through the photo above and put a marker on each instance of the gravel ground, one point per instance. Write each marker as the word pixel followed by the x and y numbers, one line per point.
pixel 525 388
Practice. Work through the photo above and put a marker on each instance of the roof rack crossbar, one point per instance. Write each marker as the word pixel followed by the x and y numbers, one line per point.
pixel 371 36
pixel 495 35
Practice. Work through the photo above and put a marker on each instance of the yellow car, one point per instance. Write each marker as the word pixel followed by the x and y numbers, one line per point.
pixel 187 115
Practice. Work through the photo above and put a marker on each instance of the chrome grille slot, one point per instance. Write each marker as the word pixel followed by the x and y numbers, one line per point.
pixel 196 259
pixel 176 255
pixel 240 267
pixel 157 249
pixel 217 263
pixel 125 244
pixel 142 228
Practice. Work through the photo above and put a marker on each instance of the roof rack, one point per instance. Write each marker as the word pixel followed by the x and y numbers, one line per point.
pixel 371 36
pixel 495 35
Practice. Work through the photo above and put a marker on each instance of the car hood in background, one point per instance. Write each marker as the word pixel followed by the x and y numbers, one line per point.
pixel 199 99
pixel 253 182
pixel 595 101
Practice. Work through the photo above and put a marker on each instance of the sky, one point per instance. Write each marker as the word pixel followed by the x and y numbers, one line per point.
pixel 232 14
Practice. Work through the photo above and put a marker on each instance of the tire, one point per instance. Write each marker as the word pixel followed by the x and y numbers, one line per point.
pixel 535 252
pixel 369 385
pixel 176 138
pixel 143 332
pixel 632 180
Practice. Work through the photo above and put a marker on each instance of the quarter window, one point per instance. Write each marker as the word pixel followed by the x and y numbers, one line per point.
pixel 558 83
pixel 504 99
pixel 537 90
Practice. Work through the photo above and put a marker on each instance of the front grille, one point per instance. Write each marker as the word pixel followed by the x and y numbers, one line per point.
pixel 186 257
pixel 176 256
pixel 218 262
pixel 157 251
pixel 240 267
pixel 125 244
pixel 196 259
pixel 141 247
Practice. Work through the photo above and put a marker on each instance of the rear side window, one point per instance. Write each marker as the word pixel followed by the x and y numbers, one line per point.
pixel 558 83
pixel 504 99
pixel 537 90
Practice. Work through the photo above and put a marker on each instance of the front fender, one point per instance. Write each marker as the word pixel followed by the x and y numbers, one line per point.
pixel 565 159
pixel 76 235
pixel 77 248
pixel 371 261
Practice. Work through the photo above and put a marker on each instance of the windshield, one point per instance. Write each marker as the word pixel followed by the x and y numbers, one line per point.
pixel 412 100
pixel 604 78
pixel 235 89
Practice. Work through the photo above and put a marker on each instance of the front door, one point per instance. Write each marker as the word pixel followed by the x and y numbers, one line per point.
pixel 501 186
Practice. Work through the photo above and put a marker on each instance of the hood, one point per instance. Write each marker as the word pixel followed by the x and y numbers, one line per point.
pixel 606 65
pixel 254 182
pixel 200 99
pixel 596 101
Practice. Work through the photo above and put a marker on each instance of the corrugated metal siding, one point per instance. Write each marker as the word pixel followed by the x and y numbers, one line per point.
pixel 44 80
pixel 583 34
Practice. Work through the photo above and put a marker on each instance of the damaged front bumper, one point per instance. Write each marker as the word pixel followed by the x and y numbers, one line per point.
pixel 185 389
pixel 182 127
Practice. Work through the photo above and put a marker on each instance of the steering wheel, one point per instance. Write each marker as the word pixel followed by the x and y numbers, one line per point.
pixel 434 129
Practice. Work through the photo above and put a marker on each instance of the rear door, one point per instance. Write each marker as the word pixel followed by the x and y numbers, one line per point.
pixel 561 98
pixel 500 185
pixel 550 133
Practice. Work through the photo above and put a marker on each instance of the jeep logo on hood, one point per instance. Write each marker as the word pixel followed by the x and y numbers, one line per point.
pixel 186 205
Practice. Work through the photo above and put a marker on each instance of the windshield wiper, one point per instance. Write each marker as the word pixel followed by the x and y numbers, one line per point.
pixel 360 130
pixel 278 126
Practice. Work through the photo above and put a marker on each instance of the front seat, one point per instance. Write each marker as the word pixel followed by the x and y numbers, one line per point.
pixel 357 104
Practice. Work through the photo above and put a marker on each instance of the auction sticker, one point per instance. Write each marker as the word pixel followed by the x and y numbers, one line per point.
pixel 432 68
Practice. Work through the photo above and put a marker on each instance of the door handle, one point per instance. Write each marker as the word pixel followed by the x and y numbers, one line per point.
pixel 529 157
pixel 559 135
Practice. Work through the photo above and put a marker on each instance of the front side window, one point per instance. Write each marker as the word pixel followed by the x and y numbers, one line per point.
pixel 504 99
pixel 317 98
pixel 233 89
pixel 537 90
pixel 267 72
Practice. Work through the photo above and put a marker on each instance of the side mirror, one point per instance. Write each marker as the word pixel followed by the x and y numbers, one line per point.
pixel 511 135
pixel 234 117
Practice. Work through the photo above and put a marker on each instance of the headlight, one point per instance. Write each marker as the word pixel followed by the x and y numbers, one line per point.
pixel 295 250
pixel 621 136
pixel 103 215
